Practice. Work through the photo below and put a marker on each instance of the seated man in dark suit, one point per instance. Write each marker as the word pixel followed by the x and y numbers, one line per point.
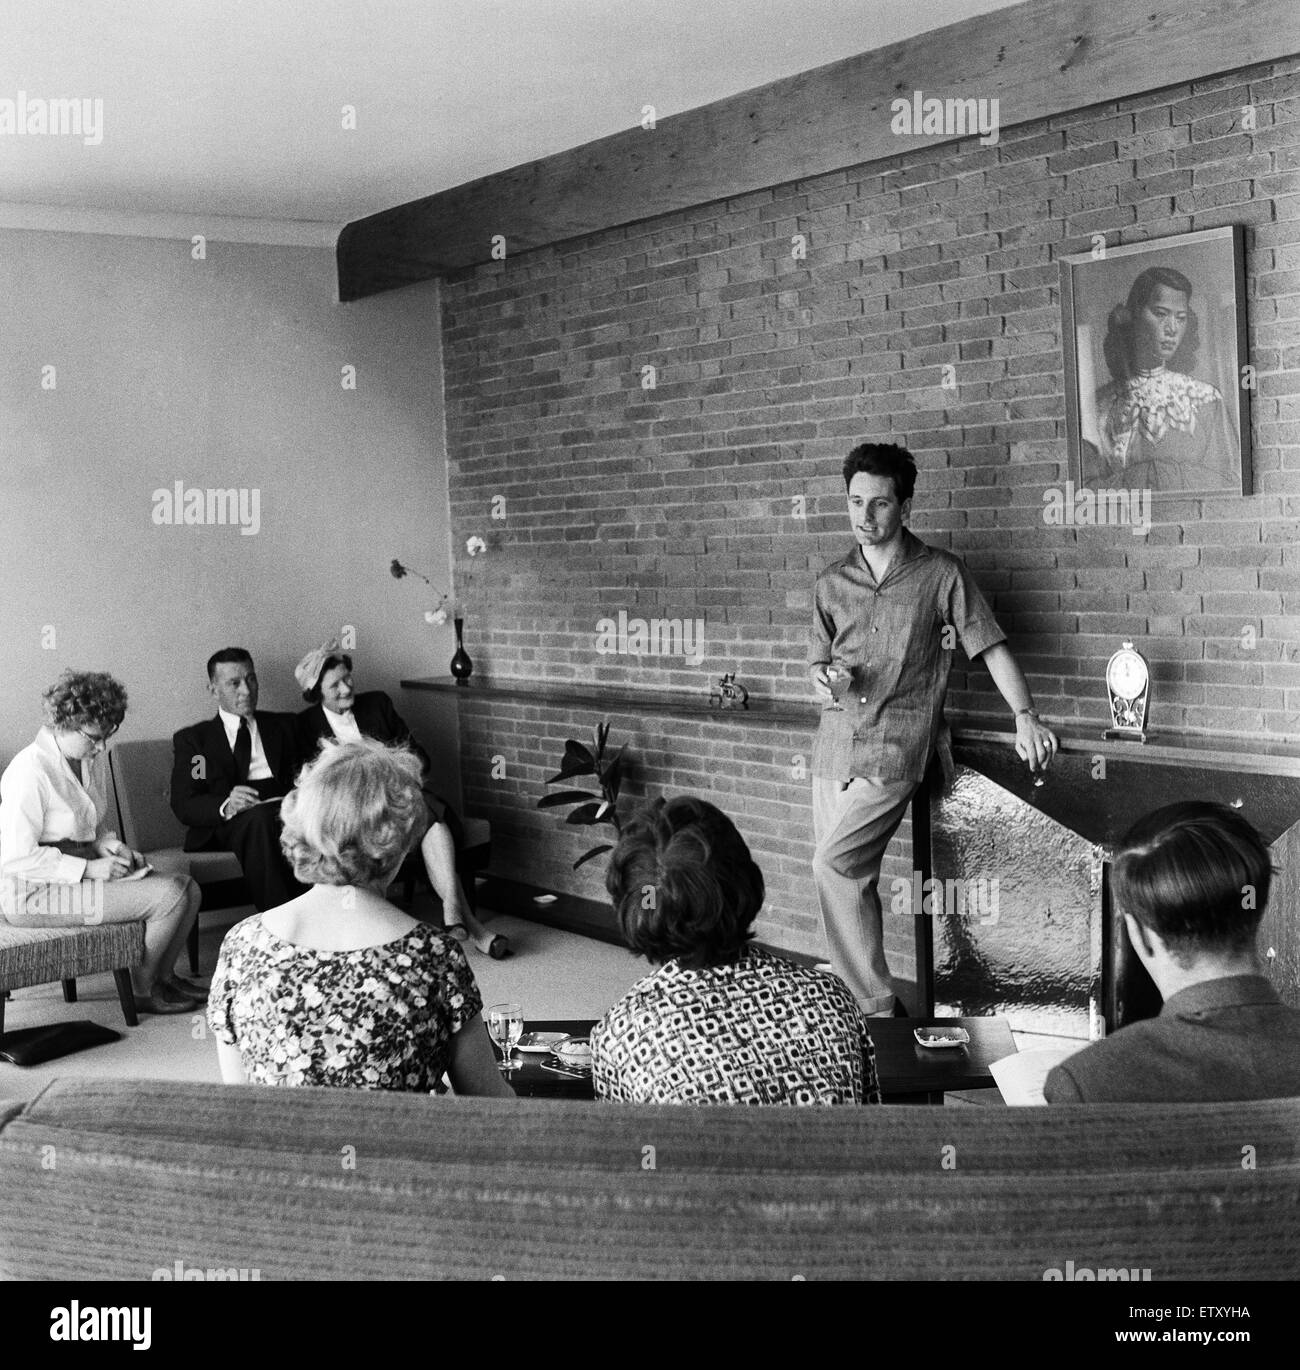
pixel 1192 881
pixel 226 769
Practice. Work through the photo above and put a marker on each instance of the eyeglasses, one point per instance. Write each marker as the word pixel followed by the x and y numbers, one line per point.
pixel 96 741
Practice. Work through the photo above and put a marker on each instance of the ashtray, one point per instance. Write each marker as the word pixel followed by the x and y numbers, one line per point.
pixel 937 1037
pixel 541 1041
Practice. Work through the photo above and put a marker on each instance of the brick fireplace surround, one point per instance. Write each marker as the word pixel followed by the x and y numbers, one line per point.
pixel 715 495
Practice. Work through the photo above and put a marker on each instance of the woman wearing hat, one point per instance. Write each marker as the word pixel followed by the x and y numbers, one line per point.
pixel 338 712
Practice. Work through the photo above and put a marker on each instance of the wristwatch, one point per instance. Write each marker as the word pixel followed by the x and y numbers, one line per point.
pixel 1033 713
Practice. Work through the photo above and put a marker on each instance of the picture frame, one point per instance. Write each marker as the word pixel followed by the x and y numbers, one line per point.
pixel 1154 337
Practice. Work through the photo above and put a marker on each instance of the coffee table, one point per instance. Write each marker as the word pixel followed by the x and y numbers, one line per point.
pixel 909 1073
pixel 912 1074
pixel 531 1080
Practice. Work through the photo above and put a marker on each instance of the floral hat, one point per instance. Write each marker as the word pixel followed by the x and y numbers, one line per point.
pixel 310 669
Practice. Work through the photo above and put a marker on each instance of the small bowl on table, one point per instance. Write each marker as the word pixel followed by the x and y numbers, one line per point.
pixel 575 1053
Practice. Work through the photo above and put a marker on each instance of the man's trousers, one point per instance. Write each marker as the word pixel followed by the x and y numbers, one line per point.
pixel 853 821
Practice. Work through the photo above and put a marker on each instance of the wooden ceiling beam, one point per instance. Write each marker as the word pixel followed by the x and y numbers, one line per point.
pixel 1036 59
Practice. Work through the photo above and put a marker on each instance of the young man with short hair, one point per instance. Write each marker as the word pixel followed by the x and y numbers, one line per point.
pixel 890 612
pixel 1192 881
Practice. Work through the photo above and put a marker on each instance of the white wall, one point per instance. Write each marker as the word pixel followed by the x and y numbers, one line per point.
pixel 219 373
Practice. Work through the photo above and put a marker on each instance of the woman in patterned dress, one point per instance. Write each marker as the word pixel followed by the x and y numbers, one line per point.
pixel 720 1021
pixel 338 987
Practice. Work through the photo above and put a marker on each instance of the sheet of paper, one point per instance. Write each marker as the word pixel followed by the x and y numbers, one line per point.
pixel 1021 1077
pixel 137 874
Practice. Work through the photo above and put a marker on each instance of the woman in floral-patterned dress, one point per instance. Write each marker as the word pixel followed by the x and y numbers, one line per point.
pixel 338 987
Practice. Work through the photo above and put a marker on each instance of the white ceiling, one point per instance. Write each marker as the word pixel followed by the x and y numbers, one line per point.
pixel 230 111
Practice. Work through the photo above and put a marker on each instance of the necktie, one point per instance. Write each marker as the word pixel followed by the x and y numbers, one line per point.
pixel 243 752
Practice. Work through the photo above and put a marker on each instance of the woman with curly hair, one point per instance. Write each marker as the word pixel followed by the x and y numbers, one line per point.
pixel 1155 426
pixel 338 987
pixel 60 864
pixel 719 1021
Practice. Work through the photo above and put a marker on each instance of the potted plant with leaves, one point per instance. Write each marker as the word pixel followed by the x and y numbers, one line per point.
pixel 592 809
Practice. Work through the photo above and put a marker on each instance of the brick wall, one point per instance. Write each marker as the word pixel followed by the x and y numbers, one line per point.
pixel 716 494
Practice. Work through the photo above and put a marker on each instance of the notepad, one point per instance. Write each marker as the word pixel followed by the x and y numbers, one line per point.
pixel 1022 1077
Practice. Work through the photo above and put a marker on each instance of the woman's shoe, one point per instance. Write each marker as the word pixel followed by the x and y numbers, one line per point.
pixel 188 989
pixel 165 999
pixel 453 927
pixel 499 948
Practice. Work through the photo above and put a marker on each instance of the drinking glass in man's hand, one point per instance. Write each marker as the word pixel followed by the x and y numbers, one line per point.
pixel 839 677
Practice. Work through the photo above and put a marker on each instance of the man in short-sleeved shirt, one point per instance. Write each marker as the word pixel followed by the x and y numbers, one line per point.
pixel 889 614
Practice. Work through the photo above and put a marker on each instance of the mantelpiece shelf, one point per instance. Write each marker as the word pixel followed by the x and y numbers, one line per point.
pixel 614 697
pixel 1247 755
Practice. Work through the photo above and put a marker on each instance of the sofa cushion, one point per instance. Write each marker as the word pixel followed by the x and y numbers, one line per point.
pixel 36 956
pixel 342 1184
pixel 206 867
pixel 141 775
pixel 141 792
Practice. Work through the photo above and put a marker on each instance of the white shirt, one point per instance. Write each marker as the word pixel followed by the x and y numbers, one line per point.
pixel 344 726
pixel 42 801
pixel 257 764
pixel 257 767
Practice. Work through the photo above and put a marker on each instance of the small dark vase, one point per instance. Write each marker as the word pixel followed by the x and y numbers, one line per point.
pixel 461 666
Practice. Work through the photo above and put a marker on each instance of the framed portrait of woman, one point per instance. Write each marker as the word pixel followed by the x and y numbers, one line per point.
pixel 1155 342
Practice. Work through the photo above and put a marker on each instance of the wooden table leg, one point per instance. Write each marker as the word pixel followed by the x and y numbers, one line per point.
pixel 923 924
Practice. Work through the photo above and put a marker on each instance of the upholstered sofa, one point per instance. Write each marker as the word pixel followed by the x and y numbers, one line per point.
pixel 157 1177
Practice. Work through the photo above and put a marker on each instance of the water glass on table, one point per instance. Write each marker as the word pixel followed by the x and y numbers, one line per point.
pixel 505 1025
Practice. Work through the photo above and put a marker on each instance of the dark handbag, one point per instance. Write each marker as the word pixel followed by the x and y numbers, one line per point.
pixel 31 1046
